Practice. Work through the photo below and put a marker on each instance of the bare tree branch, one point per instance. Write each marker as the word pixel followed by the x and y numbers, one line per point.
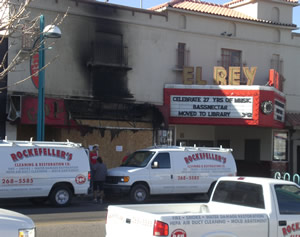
pixel 29 77
pixel 17 23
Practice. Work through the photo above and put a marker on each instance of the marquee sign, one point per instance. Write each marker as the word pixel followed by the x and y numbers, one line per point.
pixel 211 106
pixel 262 106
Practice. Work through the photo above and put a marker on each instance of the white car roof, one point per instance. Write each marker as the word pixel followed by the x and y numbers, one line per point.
pixel 257 180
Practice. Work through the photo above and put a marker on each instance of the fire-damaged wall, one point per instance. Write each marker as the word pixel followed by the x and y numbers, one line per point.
pixel 108 65
pixel 120 111
pixel 91 90
pixel 118 128
pixel 109 83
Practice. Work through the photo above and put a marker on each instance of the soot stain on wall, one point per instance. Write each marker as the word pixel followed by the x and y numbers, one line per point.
pixel 109 61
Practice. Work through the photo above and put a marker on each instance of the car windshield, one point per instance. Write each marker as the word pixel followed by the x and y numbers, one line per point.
pixel 138 159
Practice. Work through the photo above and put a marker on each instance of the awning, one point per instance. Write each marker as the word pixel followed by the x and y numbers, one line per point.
pixel 292 120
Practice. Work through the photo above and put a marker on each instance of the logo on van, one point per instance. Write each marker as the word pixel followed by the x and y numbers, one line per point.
pixel 178 233
pixel 28 153
pixel 80 179
pixel 204 156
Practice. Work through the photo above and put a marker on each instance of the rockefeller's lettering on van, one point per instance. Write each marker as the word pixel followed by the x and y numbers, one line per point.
pixel 44 152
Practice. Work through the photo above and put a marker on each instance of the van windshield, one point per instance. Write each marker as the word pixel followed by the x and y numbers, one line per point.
pixel 138 159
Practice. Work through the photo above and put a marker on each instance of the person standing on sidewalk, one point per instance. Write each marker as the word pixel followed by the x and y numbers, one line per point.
pixel 93 160
pixel 94 155
pixel 100 172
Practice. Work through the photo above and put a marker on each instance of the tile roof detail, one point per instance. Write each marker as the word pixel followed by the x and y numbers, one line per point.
pixel 238 1
pixel 213 9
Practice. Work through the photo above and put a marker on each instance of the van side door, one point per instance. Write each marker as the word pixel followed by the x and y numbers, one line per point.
pixel 288 199
pixel 161 177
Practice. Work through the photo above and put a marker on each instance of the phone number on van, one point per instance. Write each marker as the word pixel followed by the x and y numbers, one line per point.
pixel 188 178
pixel 17 181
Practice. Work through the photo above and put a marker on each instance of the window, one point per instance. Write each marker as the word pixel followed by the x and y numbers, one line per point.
pixel 108 49
pixel 231 58
pixel 276 63
pixel 288 198
pixel 138 159
pixel 275 15
pixel 29 34
pixel 252 150
pixel 245 194
pixel 165 137
pixel 163 161
pixel 231 29
pixel 181 55
pixel 280 146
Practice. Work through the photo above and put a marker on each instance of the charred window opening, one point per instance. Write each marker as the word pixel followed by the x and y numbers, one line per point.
pixel 108 49
pixel 109 66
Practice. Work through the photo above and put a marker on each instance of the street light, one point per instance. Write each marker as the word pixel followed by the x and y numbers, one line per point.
pixel 50 31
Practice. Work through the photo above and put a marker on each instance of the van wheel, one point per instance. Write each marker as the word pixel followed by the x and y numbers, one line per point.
pixel 139 193
pixel 61 196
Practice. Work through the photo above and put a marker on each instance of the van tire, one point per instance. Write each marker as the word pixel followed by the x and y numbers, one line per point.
pixel 139 193
pixel 61 196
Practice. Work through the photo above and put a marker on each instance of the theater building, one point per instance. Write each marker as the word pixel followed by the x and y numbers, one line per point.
pixel 185 72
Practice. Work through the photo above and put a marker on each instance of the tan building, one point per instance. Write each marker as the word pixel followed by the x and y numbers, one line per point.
pixel 185 72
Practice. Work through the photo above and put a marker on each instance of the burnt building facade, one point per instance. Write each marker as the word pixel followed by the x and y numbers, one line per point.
pixel 119 71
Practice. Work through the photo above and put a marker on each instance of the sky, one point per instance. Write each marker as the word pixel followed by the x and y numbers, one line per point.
pixel 151 3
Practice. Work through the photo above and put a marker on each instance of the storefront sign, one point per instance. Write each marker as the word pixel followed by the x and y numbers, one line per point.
pixel 55 113
pixel 221 76
pixel 234 75
pixel 34 69
pixel 211 106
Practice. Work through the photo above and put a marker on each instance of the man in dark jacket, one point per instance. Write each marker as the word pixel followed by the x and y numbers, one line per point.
pixel 100 171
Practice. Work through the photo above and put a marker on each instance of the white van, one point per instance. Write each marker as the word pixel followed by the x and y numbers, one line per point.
pixel 170 170
pixel 43 170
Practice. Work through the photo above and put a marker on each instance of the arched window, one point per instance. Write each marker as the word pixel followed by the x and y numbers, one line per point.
pixel 232 29
pixel 275 17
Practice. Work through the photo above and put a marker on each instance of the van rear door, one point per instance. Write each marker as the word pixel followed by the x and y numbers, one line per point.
pixel 161 175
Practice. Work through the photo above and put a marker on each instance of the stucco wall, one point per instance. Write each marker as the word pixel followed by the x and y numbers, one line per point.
pixel 152 43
